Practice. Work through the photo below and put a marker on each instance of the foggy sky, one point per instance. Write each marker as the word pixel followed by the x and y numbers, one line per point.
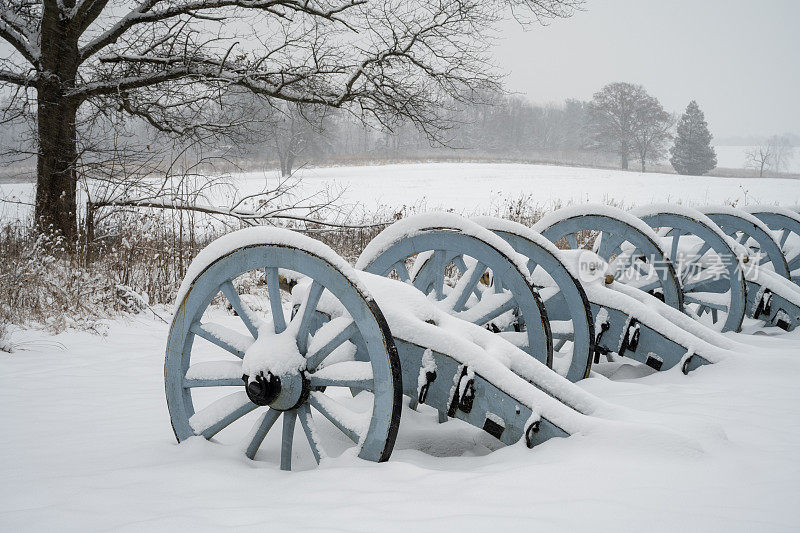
pixel 739 59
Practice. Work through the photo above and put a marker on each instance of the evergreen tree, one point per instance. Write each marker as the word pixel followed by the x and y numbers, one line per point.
pixel 693 153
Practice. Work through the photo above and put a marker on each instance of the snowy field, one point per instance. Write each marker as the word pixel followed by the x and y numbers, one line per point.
pixel 472 187
pixel 480 188
pixel 87 443
pixel 87 446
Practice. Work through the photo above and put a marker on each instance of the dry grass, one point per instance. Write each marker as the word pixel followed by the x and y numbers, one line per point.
pixel 139 260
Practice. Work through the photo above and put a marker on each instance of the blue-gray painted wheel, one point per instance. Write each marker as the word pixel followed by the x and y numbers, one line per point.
pixel 563 296
pixel 627 244
pixel 231 376
pixel 753 234
pixel 785 226
pixel 471 272
pixel 706 261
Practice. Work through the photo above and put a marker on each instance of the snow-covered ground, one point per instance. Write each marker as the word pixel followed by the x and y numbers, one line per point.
pixel 472 187
pixel 478 188
pixel 87 445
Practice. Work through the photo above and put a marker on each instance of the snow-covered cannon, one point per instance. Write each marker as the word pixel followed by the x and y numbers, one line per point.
pixel 348 344
pixel 475 314
pixel 718 266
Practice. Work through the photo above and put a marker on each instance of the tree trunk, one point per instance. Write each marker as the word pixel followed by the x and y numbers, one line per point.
pixel 282 159
pixel 289 164
pixel 56 179
pixel 624 158
pixel 56 202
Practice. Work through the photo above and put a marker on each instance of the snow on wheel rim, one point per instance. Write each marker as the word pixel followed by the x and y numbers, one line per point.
pixel 630 246
pixel 711 277
pixel 752 233
pixel 292 364
pixel 563 296
pixel 472 274
pixel 785 227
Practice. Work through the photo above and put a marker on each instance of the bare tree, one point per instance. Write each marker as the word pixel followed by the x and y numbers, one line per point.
pixel 626 120
pixel 775 154
pixel 288 129
pixel 782 152
pixel 169 61
pixel 651 130
pixel 760 158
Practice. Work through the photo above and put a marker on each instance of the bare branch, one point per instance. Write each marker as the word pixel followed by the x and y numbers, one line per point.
pixel 16 39
pixel 240 214
pixel 16 78
pixel 143 14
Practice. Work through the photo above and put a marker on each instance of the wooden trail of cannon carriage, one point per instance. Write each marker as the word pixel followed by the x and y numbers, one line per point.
pixel 484 320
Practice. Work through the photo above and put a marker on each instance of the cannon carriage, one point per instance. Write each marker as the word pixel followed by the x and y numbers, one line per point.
pixel 483 320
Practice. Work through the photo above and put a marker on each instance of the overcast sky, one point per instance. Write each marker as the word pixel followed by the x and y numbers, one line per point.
pixel 740 59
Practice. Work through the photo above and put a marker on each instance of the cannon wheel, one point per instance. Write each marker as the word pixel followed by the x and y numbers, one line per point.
pixel 751 233
pixel 451 259
pixel 629 246
pixel 564 298
pixel 213 366
pixel 708 265
pixel 786 226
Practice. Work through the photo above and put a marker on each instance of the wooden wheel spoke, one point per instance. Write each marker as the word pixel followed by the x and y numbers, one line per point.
pixel 698 283
pixel 242 309
pixel 337 414
pixel 355 374
pixel 274 291
pixel 402 271
pixel 220 414
pixel 784 237
pixel 489 308
pixel 307 422
pixel 700 253
pixel 463 289
pixel 214 374
pixel 696 298
pixel 608 245
pixel 497 282
pixel 422 279
pixel 794 262
pixel 626 262
pixel 641 267
pixel 319 355
pixel 226 338
pixel 261 428
pixel 287 438
pixel 306 314
pixel 676 239
pixel 438 273
pixel 572 240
